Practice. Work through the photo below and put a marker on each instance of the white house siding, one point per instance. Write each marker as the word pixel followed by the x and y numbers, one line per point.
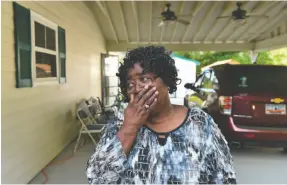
pixel 187 73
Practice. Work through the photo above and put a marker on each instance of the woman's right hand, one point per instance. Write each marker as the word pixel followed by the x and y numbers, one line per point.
pixel 135 115
pixel 139 107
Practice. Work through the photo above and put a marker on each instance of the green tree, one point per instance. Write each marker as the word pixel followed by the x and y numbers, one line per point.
pixel 209 57
pixel 275 57
pixel 279 56
pixel 264 58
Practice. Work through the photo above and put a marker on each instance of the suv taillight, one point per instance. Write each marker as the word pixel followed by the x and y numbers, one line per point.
pixel 225 104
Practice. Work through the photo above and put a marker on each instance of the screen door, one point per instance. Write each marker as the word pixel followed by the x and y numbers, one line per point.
pixel 110 82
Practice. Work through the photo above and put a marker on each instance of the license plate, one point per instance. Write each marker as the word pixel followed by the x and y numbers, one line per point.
pixel 274 109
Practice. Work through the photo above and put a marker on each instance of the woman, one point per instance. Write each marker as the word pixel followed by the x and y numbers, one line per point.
pixel 158 143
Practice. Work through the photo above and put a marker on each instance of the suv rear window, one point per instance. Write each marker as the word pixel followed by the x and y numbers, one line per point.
pixel 252 79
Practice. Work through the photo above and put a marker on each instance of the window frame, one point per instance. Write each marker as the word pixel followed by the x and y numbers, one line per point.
pixel 47 23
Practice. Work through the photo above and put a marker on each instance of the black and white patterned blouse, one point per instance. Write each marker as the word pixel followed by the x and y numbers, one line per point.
pixel 194 153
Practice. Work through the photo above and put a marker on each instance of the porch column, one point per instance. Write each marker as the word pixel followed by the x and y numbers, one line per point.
pixel 253 56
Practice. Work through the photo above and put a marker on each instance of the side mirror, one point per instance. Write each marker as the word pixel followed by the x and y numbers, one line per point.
pixel 189 86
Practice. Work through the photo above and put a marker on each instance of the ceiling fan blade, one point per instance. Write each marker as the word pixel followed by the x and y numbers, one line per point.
pixel 223 17
pixel 186 15
pixel 258 16
pixel 184 22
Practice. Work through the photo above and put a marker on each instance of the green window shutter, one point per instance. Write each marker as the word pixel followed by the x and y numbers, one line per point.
pixel 62 54
pixel 22 33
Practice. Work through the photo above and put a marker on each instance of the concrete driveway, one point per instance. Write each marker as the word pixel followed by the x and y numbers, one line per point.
pixel 253 166
pixel 256 165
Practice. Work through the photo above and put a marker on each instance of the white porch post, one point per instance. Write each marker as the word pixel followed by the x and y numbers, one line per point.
pixel 253 55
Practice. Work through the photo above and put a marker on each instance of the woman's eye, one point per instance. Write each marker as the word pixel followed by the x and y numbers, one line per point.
pixel 144 79
pixel 130 85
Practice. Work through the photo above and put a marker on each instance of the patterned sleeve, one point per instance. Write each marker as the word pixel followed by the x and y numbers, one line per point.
pixel 218 161
pixel 107 163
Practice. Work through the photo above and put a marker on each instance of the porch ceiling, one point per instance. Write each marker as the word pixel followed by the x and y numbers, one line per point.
pixel 129 23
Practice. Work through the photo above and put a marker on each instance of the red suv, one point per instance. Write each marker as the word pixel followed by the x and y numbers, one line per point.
pixel 248 102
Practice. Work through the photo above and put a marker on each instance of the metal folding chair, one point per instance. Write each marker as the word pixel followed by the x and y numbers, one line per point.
pixel 88 125
pixel 100 111
pixel 97 115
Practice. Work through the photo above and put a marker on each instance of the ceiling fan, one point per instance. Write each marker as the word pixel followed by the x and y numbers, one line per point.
pixel 169 17
pixel 240 14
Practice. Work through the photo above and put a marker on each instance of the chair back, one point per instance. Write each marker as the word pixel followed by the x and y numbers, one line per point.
pixel 83 113
pixel 92 100
pixel 95 109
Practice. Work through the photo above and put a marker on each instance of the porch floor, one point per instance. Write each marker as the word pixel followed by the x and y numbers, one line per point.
pixel 253 165
pixel 67 168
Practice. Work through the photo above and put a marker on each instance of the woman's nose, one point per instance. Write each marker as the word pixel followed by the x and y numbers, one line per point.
pixel 138 88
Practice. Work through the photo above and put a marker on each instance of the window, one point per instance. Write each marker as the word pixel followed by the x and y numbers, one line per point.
pixel 45 65
pixel 44 49
pixel 40 49
pixel 253 79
